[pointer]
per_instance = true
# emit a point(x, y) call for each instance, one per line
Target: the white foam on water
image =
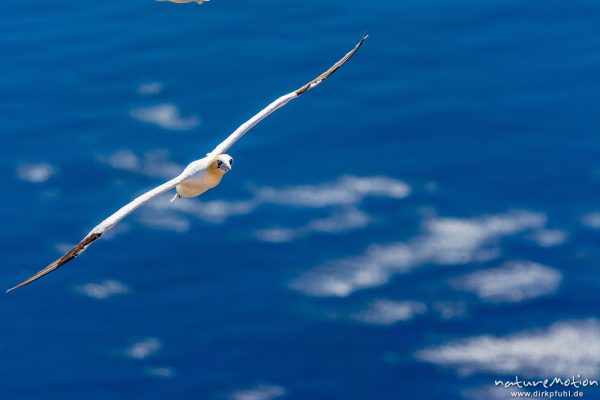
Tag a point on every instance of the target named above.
point(161, 372)
point(338, 222)
point(216, 211)
point(343, 221)
point(513, 282)
point(35, 173)
point(450, 310)
point(143, 348)
point(278, 235)
point(347, 190)
point(549, 237)
point(166, 116)
point(388, 312)
point(155, 163)
point(461, 241)
point(592, 220)
point(103, 290)
point(150, 88)
point(564, 349)
point(259, 392)
point(124, 160)
point(164, 221)
point(444, 241)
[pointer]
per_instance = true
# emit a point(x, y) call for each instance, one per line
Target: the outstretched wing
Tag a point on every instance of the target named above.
point(114, 219)
point(280, 102)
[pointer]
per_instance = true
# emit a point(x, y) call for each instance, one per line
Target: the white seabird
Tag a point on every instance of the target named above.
point(198, 177)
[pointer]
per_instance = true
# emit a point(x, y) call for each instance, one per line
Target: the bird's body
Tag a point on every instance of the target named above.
point(198, 177)
point(205, 179)
point(199, 183)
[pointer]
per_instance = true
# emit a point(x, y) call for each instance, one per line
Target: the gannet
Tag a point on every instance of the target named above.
point(198, 177)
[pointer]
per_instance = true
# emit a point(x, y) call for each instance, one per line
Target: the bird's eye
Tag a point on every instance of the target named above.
point(231, 162)
point(219, 162)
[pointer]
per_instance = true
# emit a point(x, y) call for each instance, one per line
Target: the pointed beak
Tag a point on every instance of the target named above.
point(223, 166)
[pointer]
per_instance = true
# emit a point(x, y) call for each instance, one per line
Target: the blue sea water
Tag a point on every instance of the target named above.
point(421, 224)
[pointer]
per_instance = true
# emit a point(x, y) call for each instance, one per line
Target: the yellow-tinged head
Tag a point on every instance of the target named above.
point(223, 163)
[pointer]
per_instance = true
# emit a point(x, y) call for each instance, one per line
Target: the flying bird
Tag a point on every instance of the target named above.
point(198, 177)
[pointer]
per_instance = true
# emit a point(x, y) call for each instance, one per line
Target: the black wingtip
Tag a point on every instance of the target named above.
point(71, 254)
point(332, 69)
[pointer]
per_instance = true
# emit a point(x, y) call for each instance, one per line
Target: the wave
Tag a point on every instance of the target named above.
point(388, 312)
point(513, 282)
point(36, 173)
point(563, 349)
point(166, 116)
point(143, 348)
point(341, 221)
point(347, 190)
point(150, 88)
point(592, 220)
point(103, 290)
point(549, 237)
point(445, 241)
point(155, 163)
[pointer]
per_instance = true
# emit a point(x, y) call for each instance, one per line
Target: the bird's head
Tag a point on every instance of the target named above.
point(223, 163)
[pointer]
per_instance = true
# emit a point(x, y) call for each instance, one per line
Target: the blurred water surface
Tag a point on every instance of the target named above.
point(421, 224)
